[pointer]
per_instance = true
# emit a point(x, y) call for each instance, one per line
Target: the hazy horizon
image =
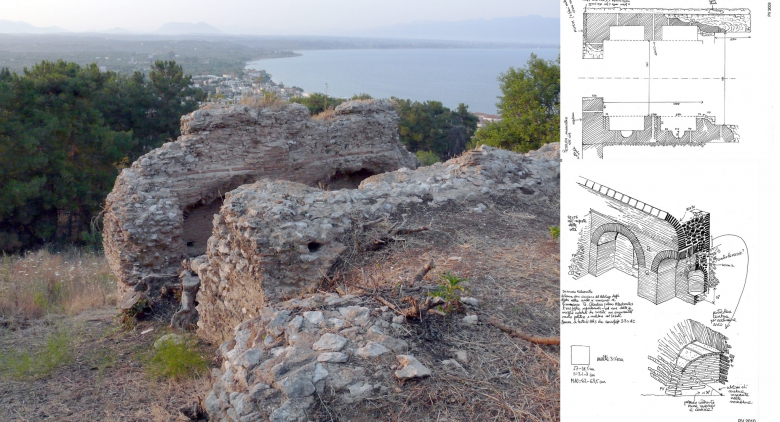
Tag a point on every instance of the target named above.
point(302, 17)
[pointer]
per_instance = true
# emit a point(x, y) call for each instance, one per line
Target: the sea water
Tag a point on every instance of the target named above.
point(451, 76)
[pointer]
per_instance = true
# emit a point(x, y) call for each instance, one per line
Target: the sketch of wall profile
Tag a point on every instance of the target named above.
point(691, 357)
point(596, 132)
point(669, 258)
point(627, 24)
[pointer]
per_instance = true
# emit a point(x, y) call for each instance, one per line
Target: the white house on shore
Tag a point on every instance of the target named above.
point(485, 118)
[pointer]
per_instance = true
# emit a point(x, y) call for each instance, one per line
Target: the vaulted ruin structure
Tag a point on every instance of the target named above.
point(669, 258)
point(275, 239)
point(162, 208)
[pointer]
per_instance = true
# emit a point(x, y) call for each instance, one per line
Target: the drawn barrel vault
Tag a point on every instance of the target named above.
point(690, 357)
point(668, 258)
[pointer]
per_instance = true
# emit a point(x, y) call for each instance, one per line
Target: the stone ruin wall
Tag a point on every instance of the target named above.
point(161, 208)
point(277, 239)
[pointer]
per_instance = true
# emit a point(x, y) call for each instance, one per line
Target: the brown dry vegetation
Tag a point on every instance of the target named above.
point(264, 101)
point(513, 269)
point(44, 282)
point(325, 115)
point(97, 371)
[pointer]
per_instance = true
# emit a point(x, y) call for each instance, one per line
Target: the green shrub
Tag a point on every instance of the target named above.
point(176, 359)
point(427, 158)
point(55, 353)
point(448, 291)
point(555, 232)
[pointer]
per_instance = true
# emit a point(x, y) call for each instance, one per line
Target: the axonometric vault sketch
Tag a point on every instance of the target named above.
point(626, 24)
point(670, 258)
point(691, 357)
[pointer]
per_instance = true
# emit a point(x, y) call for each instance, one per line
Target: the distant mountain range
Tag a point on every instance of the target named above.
point(519, 29)
point(170, 28)
point(181, 28)
point(18, 27)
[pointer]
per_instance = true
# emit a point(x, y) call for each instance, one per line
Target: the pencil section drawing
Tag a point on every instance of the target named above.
point(627, 24)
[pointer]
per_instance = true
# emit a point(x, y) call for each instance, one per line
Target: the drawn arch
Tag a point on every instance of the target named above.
point(667, 254)
point(625, 231)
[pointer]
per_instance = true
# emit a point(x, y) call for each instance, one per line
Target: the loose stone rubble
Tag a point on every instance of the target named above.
point(277, 362)
point(277, 239)
point(161, 208)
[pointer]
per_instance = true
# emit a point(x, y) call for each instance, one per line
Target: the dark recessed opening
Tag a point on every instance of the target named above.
point(314, 246)
point(349, 180)
point(198, 225)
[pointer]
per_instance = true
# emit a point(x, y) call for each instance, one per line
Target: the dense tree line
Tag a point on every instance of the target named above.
point(65, 133)
point(529, 108)
point(429, 129)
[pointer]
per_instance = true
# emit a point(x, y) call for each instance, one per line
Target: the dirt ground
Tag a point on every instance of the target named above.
point(512, 266)
point(105, 381)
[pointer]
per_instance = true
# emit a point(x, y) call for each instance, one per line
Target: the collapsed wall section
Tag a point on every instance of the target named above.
point(161, 209)
point(277, 239)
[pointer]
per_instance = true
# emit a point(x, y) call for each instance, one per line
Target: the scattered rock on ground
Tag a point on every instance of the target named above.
point(411, 368)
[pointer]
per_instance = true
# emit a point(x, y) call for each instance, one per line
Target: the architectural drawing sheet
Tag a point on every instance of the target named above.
point(667, 250)
point(640, 78)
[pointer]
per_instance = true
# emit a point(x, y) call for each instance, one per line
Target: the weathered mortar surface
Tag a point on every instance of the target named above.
point(277, 239)
point(220, 149)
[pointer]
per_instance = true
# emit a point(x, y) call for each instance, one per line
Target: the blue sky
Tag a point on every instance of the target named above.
point(316, 17)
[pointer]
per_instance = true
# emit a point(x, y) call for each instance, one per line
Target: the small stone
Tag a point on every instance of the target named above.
point(296, 386)
point(256, 390)
point(313, 317)
point(411, 368)
point(249, 359)
point(399, 319)
point(470, 319)
point(469, 301)
point(295, 324)
point(358, 315)
point(455, 258)
point(320, 373)
point(337, 323)
point(359, 389)
point(330, 342)
point(371, 350)
point(451, 362)
point(169, 338)
point(462, 356)
point(335, 357)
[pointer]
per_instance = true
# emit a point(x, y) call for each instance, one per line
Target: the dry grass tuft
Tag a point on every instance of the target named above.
point(325, 115)
point(43, 282)
point(264, 101)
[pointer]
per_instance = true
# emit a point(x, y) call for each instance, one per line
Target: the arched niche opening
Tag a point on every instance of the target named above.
point(348, 180)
